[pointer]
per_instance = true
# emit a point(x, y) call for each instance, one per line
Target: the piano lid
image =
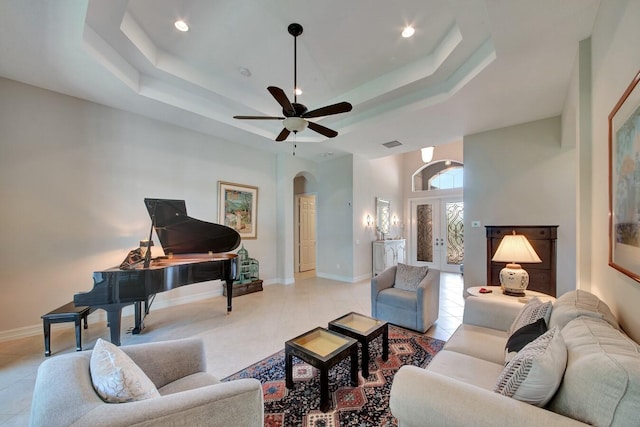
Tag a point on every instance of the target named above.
point(181, 234)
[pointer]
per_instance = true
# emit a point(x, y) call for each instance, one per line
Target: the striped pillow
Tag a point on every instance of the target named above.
point(535, 373)
point(533, 310)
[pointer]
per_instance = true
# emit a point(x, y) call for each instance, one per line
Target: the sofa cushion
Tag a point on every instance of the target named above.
point(601, 385)
point(578, 303)
point(533, 310)
point(116, 378)
point(534, 374)
point(398, 298)
point(408, 277)
point(484, 343)
point(522, 337)
point(465, 368)
point(190, 382)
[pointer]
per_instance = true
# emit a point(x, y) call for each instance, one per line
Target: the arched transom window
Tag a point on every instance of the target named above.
point(439, 175)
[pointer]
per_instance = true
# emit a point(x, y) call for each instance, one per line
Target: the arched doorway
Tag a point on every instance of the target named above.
point(304, 189)
point(436, 219)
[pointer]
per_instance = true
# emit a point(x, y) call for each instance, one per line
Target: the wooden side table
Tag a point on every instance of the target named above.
point(321, 349)
point(364, 329)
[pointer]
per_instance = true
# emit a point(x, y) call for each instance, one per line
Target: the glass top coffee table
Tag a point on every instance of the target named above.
point(321, 349)
point(364, 329)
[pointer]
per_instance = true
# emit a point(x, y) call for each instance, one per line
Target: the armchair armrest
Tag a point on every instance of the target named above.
point(384, 280)
point(429, 299)
point(167, 361)
point(420, 397)
point(236, 403)
point(488, 313)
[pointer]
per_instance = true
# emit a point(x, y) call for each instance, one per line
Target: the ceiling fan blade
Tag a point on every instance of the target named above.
point(340, 107)
point(283, 135)
point(282, 99)
point(258, 118)
point(329, 133)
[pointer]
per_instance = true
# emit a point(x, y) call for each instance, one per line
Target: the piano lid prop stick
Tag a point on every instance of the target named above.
point(147, 255)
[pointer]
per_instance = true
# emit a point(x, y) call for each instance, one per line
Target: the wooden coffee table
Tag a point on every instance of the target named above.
point(321, 349)
point(364, 329)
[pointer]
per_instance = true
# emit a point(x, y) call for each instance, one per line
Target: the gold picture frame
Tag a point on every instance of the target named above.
point(238, 208)
point(624, 182)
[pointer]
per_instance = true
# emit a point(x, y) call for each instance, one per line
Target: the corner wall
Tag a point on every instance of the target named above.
point(615, 61)
point(520, 175)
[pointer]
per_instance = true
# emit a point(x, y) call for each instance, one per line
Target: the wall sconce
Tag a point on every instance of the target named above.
point(369, 220)
point(394, 220)
point(427, 154)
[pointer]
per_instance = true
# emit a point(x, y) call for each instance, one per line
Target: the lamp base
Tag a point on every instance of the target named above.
point(514, 280)
point(513, 294)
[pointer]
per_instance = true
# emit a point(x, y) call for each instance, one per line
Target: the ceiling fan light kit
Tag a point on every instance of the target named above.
point(295, 124)
point(294, 115)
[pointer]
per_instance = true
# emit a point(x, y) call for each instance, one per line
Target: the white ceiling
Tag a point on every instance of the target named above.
point(473, 65)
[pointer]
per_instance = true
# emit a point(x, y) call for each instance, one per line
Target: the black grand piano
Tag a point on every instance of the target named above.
point(195, 251)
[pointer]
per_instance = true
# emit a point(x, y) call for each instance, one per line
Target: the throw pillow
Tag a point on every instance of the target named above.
point(116, 378)
point(535, 373)
point(408, 277)
point(522, 337)
point(533, 310)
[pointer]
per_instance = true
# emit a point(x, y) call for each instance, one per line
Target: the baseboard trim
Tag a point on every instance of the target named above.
point(335, 277)
point(101, 315)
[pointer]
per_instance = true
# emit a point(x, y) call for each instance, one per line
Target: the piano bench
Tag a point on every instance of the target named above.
point(66, 313)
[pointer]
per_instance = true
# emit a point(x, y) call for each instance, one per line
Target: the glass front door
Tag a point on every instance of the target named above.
point(437, 233)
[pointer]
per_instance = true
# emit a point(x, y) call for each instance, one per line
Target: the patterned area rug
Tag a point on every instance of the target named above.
point(365, 405)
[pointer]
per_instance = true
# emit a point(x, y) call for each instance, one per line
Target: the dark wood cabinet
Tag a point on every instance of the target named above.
point(542, 276)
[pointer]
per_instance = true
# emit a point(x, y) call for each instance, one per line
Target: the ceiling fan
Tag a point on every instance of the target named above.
point(295, 115)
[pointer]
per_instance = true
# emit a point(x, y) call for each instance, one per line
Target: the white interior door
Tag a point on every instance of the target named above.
point(436, 232)
point(307, 233)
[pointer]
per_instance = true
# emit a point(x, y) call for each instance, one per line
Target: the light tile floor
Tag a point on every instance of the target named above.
point(258, 326)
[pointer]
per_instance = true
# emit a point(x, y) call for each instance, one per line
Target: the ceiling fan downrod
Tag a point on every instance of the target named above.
point(295, 30)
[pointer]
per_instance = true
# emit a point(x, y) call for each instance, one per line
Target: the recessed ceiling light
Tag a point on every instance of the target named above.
point(244, 71)
point(408, 31)
point(181, 25)
point(297, 91)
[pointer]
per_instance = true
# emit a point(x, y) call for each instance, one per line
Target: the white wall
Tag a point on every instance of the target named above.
point(374, 178)
point(615, 61)
point(520, 175)
point(334, 219)
point(73, 176)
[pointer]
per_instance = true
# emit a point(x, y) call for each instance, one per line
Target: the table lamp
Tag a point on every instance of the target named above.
point(515, 248)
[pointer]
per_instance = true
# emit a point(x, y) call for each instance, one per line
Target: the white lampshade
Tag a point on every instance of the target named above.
point(513, 249)
point(295, 124)
point(427, 154)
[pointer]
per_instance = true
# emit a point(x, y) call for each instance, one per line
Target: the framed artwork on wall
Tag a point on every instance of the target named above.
point(624, 182)
point(238, 208)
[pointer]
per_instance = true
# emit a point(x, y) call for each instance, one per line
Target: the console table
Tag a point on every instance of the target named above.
point(387, 253)
point(542, 276)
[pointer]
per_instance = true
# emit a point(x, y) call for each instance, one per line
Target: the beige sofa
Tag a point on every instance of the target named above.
point(189, 396)
point(600, 385)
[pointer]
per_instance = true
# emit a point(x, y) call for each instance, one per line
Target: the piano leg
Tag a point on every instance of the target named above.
point(139, 321)
point(229, 296)
point(113, 318)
